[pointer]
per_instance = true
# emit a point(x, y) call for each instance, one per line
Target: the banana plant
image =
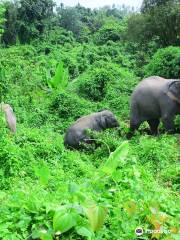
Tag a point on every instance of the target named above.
point(60, 79)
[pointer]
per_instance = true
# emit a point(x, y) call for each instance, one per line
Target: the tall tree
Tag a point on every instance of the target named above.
point(159, 20)
point(69, 18)
point(2, 19)
point(147, 5)
point(10, 26)
point(32, 15)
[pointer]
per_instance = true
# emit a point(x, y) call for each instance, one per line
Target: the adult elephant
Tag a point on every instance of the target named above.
point(153, 99)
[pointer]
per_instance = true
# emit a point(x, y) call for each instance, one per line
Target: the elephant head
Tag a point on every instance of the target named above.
point(108, 120)
point(174, 88)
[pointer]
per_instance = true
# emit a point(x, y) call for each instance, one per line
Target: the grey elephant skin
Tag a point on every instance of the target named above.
point(10, 116)
point(77, 133)
point(153, 99)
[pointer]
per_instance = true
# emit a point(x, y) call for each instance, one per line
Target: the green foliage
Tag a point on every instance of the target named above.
point(148, 5)
point(118, 96)
point(96, 216)
point(49, 192)
point(60, 79)
point(54, 37)
point(96, 83)
point(83, 208)
point(19, 154)
point(10, 25)
point(70, 20)
point(3, 84)
point(43, 173)
point(165, 63)
point(2, 19)
point(156, 152)
point(115, 158)
point(26, 20)
point(110, 31)
point(158, 21)
point(63, 221)
point(69, 107)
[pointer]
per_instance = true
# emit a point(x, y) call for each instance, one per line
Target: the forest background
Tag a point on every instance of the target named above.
point(58, 63)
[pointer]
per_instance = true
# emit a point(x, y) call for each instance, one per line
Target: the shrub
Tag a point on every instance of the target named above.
point(118, 95)
point(95, 83)
point(156, 153)
point(165, 63)
point(111, 30)
point(3, 84)
point(19, 153)
point(58, 36)
point(69, 107)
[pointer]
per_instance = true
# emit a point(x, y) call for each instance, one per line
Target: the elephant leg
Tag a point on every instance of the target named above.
point(89, 144)
point(168, 122)
point(153, 124)
point(134, 125)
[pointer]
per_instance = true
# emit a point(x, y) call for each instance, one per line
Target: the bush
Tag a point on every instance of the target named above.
point(52, 38)
point(118, 95)
point(3, 84)
point(19, 153)
point(69, 107)
point(157, 154)
point(111, 30)
point(165, 63)
point(95, 83)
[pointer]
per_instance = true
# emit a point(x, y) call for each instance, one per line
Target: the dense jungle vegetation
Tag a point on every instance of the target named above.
point(58, 63)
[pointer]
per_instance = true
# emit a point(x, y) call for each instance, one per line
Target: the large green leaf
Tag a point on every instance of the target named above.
point(63, 221)
point(43, 173)
point(57, 79)
point(42, 234)
point(96, 215)
point(117, 157)
point(85, 232)
point(60, 79)
point(46, 236)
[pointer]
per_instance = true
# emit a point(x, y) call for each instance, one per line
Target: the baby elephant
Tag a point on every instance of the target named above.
point(153, 99)
point(77, 133)
point(10, 116)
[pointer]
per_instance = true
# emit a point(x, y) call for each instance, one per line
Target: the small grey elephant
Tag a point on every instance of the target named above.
point(153, 99)
point(77, 133)
point(10, 116)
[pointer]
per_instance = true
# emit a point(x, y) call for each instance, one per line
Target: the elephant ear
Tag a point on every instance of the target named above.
point(103, 121)
point(174, 87)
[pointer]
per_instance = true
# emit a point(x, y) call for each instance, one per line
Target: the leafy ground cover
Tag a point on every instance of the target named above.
point(51, 79)
point(47, 190)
